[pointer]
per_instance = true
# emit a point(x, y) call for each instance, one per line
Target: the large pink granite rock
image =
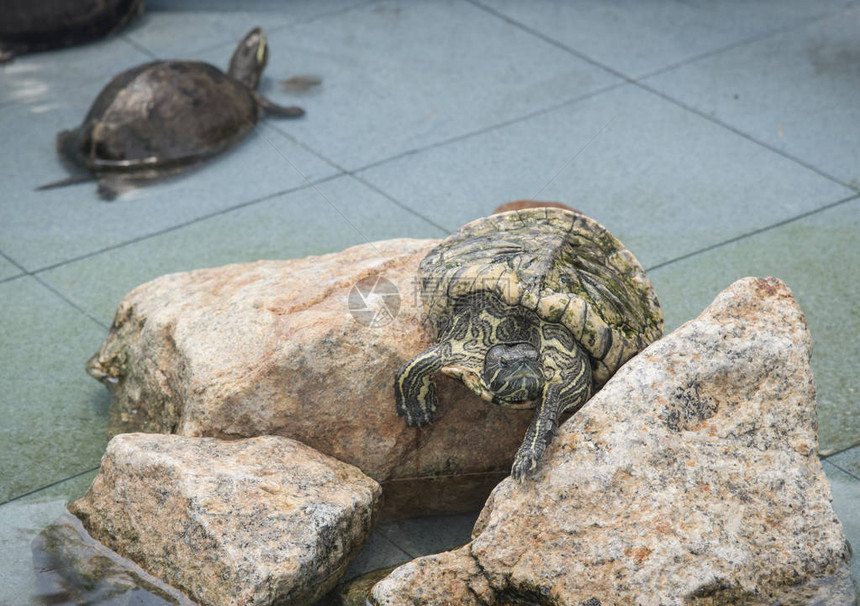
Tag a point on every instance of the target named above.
point(691, 478)
point(290, 348)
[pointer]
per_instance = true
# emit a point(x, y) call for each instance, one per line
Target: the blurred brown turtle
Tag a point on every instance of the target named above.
point(36, 25)
point(164, 117)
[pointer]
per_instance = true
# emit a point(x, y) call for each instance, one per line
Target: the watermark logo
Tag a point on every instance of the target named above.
point(374, 301)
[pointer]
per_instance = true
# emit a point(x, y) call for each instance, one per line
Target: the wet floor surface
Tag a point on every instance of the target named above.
point(716, 141)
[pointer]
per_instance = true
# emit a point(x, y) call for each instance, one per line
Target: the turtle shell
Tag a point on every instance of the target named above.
point(33, 25)
point(562, 265)
point(162, 113)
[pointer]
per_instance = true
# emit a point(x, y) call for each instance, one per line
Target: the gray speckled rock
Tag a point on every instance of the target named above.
point(257, 521)
point(691, 478)
point(271, 348)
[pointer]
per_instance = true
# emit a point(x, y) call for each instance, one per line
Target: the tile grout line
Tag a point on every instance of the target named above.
point(137, 45)
point(352, 173)
point(550, 40)
point(63, 297)
point(274, 126)
point(475, 133)
point(633, 79)
point(334, 13)
point(845, 471)
point(746, 41)
point(386, 535)
point(74, 305)
point(20, 268)
point(748, 137)
point(178, 226)
point(35, 274)
point(400, 204)
point(372, 186)
point(638, 81)
point(497, 126)
point(408, 552)
point(841, 450)
point(756, 232)
point(47, 486)
point(18, 276)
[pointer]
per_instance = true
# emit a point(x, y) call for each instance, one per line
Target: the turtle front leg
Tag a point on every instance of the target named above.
point(569, 389)
point(414, 392)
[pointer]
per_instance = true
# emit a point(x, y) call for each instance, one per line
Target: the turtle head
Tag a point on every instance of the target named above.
point(512, 371)
point(250, 58)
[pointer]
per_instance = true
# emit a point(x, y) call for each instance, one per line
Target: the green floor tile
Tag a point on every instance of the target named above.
point(846, 502)
point(848, 461)
point(162, 29)
point(432, 534)
point(377, 553)
point(20, 522)
point(53, 412)
point(664, 180)
point(35, 77)
point(817, 258)
point(402, 75)
point(657, 34)
point(315, 220)
point(795, 91)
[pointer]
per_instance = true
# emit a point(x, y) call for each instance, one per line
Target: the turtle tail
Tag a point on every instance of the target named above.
point(71, 180)
point(68, 143)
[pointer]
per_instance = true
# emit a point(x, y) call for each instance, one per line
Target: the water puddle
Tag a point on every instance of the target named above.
point(72, 568)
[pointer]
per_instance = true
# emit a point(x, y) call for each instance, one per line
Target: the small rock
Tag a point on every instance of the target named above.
point(296, 348)
point(248, 522)
point(453, 577)
point(356, 591)
point(691, 478)
point(524, 204)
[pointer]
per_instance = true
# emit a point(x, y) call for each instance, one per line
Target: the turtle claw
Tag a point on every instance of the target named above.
point(414, 391)
point(417, 414)
point(419, 420)
point(524, 463)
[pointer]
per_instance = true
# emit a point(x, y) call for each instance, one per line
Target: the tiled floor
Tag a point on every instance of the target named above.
point(717, 140)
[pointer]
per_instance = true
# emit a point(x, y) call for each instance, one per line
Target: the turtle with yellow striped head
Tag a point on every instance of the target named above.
point(533, 308)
